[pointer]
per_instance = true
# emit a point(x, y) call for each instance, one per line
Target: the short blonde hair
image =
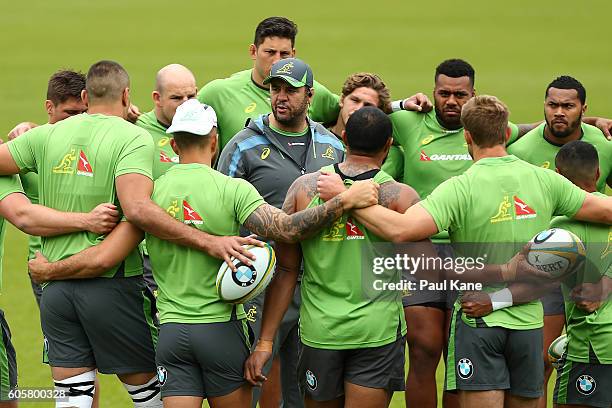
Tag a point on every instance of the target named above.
point(486, 118)
point(372, 81)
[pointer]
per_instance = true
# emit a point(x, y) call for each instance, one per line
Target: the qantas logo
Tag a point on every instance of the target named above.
point(164, 158)
point(190, 215)
point(522, 210)
point(352, 230)
point(444, 157)
point(84, 167)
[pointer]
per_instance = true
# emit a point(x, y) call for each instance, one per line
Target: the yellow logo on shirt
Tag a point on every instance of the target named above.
point(250, 108)
point(546, 165)
point(173, 209)
point(502, 213)
point(265, 153)
point(65, 166)
point(427, 140)
point(334, 232)
point(329, 153)
point(163, 141)
point(608, 249)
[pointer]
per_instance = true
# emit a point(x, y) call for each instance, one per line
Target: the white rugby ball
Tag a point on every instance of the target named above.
point(556, 351)
point(248, 281)
point(556, 251)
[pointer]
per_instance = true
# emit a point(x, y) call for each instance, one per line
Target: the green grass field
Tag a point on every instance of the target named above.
point(516, 47)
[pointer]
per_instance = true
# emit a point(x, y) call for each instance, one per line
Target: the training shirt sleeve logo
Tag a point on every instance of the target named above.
point(65, 165)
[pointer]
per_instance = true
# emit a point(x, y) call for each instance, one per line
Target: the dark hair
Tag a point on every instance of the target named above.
point(275, 27)
point(567, 82)
point(455, 68)
point(368, 130)
point(106, 80)
point(65, 84)
point(577, 161)
point(186, 140)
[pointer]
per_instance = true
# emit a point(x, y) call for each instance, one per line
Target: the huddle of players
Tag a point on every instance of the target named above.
point(367, 350)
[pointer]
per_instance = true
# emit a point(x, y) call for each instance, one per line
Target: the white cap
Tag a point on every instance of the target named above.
point(193, 117)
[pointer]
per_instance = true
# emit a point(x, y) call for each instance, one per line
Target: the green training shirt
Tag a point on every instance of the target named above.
point(535, 149)
point(8, 185)
point(238, 98)
point(339, 310)
point(519, 202)
point(77, 160)
point(186, 277)
point(589, 331)
point(163, 156)
point(29, 181)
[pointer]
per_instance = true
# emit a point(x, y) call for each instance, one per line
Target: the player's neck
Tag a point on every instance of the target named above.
point(560, 141)
point(338, 127)
point(486, 152)
point(159, 117)
point(300, 124)
point(115, 109)
point(258, 79)
point(356, 164)
point(196, 156)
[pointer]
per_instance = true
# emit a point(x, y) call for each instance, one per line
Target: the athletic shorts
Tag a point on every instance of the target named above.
point(322, 372)
point(8, 361)
point(553, 302)
point(494, 358)
point(107, 323)
point(584, 384)
point(36, 290)
point(202, 360)
point(147, 274)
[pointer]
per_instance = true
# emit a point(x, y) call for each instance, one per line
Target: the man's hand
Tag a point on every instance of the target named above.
point(102, 219)
point(605, 125)
point(329, 185)
point(133, 113)
point(253, 367)
point(418, 102)
point(588, 296)
point(519, 269)
point(39, 268)
point(476, 304)
point(20, 129)
point(227, 248)
point(361, 194)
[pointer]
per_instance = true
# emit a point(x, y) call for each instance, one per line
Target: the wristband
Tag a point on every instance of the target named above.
point(264, 345)
point(397, 106)
point(501, 299)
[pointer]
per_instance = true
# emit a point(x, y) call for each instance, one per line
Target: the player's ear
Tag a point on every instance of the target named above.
point(156, 97)
point(508, 134)
point(85, 97)
point(343, 137)
point(468, 136)
point(125, 97)
point(49, 107)
point(293, 53)
point(558, 171)
point(597, 174)
point(584, 108)
point(253, 51)
point(175, 148)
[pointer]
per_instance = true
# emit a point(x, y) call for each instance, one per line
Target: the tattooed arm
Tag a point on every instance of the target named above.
point(270, 222)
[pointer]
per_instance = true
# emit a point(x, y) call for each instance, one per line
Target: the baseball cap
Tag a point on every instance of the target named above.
point(193, 117)
point(295, 71)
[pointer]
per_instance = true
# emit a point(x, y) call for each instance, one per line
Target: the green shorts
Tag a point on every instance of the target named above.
point(202, 359)
point(8, 361)
point(494, 358)
point(584, 384)
point(107, 323)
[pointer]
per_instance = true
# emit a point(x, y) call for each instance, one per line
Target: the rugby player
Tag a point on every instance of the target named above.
point(271, 153)
point(512, 368)
point(189, 305)
point(81, 161)
point(564, 108)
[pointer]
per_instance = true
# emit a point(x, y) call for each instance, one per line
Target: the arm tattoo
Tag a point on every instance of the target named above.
point(273, 223)
point(388, 194)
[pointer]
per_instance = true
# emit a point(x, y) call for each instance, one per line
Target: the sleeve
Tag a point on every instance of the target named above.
point(567, 198)
point(231, 162)
point(394, 163)
point(246, 200)
point(514, 133)
point(9, 185)
point(26, 148)
point(445, 204)
point(137, 156)
point(325, 106)
point(208, 94)
point(403, 126)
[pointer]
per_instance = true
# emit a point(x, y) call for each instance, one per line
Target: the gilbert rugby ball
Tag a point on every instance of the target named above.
point(556, 351)
point(248, 281)
point(556, 251)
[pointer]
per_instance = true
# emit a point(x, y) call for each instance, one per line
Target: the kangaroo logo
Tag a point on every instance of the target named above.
point(65, 165)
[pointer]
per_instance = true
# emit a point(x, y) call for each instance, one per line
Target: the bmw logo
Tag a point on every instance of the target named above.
point(311, 380)
point(465, 369)
point(585, 384)
point(543, 236)
point(162, 375)
point(245, 275)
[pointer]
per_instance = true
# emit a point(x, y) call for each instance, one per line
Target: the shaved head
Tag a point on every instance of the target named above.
point(106, 82)
point(174, 84)
point(174, 75)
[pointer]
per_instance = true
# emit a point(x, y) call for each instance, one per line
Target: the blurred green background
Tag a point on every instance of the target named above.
point(516, 47)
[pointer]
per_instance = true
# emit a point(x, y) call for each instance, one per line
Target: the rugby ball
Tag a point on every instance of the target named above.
point(556, 251)
point(557, 350)
point(248, 281)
